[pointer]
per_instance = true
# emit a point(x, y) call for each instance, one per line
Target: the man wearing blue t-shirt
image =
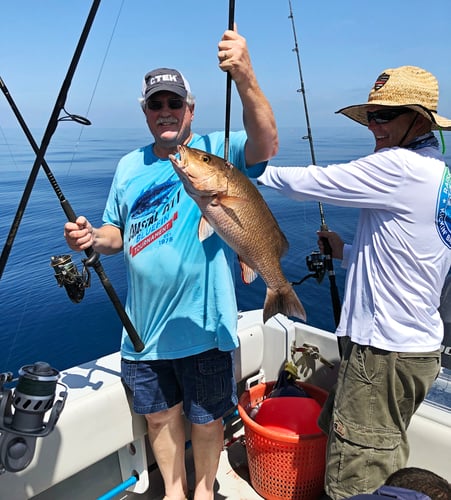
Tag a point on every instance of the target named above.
point(181, 297)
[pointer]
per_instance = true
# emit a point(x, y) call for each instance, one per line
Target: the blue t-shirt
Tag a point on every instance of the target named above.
point(181, 295)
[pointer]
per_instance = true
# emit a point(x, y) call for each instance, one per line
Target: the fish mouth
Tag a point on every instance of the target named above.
point(178, 163)
point(183, 156)
point(181, 163)
point(181, 167)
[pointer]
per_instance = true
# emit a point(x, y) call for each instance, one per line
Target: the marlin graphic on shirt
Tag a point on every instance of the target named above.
point(151, 198)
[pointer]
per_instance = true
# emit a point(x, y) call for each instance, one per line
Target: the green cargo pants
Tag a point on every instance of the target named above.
point(368, 412)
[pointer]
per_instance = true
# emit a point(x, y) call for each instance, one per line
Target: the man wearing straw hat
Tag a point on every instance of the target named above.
point(390, 328)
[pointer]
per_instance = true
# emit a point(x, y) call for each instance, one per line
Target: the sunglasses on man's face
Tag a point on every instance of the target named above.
point(382, 116)
point(172, 103)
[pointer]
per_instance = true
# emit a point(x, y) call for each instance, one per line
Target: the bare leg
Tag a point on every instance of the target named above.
point(167, 437)
point(208, 441)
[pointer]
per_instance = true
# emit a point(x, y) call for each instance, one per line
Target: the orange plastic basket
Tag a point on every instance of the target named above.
point(283, 466)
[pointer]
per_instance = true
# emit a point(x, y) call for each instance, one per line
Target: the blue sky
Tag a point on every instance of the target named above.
point(344, 45)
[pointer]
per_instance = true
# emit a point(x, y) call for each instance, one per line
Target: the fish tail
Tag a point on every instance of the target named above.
point(283, 300)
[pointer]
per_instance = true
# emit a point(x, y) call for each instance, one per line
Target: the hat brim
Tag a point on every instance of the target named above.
point(358, 114)
point(167, 88)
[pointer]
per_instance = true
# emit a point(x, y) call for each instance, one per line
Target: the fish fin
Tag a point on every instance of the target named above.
point(205, 230)
point(248, 275)
point(285, 301)
point(232, 202)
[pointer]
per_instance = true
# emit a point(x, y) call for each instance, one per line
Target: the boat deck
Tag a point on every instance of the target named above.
point(232, 480)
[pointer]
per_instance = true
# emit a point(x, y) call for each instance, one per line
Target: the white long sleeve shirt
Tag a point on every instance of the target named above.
point(401, 251)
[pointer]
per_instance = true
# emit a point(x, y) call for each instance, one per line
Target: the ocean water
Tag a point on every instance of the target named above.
point(38, 322)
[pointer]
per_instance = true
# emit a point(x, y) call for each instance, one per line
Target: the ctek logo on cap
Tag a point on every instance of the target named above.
point(162, 78)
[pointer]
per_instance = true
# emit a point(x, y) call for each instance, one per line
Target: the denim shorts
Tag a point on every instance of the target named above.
point(204, 382)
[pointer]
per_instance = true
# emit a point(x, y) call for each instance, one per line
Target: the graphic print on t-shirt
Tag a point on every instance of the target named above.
point(152, 216)
point(443, 211)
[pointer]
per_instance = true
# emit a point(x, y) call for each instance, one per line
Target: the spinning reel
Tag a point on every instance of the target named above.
point(316, 264)
point(33, 396)
point(67, 275)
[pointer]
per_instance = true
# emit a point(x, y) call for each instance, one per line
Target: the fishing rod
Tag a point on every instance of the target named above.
point(67, 270)
point(313, 262)
point(228, 87)
point(51, 127)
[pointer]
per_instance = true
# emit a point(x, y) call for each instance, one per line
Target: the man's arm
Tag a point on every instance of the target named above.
point(258, 117)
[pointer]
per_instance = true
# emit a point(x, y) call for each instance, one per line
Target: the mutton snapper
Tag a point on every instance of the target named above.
point(233, 207)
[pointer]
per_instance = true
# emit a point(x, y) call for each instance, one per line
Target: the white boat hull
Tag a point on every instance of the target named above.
point(98, 442)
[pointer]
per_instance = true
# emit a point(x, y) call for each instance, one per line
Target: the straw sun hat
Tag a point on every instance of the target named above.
point(407, 86)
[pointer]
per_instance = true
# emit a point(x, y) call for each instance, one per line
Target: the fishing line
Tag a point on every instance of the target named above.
point(327, 249)
point(102, 65)
point(8, 145)
point(21, 309)
point(19, 314)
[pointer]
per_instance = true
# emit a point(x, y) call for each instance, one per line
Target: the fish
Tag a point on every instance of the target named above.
point(232, 206)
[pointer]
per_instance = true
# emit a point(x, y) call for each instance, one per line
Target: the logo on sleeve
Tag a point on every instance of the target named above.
point(443, 212)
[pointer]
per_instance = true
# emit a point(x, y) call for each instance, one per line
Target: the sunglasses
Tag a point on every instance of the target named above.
point(173, 103)
point(386, 115)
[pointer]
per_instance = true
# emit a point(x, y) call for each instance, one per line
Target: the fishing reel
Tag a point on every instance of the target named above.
point(33, 396)
point(316, 264)
point(67, 275)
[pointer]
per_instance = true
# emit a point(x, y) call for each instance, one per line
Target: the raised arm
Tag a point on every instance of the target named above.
point(258, 117)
